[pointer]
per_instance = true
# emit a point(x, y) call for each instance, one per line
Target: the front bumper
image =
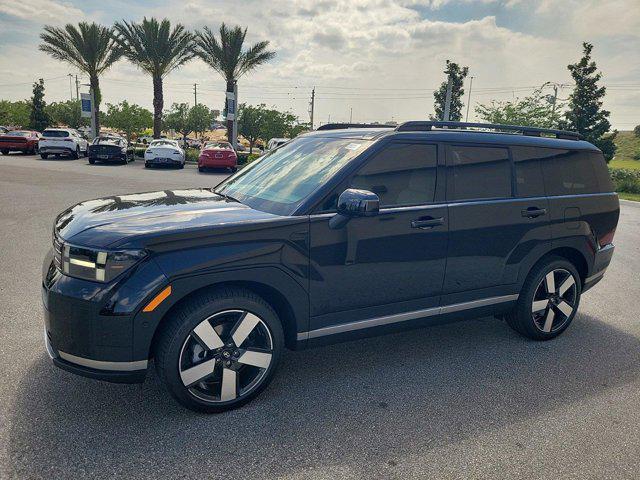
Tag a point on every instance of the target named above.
point(107, 157)
point(81, 334)
point(600, 264)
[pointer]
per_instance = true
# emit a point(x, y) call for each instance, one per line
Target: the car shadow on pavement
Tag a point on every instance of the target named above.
point(369, 402)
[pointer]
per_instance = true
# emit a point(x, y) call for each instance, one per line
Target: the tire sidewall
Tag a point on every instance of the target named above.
point(170, 367)
point(529, 290)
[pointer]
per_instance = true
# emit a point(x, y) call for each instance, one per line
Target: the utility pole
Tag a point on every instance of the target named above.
point(351, 115)
point(195, 94)
point(70, 87)
point(77, 88)
point(447, 101)
point(234, 135)
point(466, 119)
point(313, 102)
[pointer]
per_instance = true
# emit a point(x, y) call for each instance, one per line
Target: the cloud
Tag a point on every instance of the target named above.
point(43, 11)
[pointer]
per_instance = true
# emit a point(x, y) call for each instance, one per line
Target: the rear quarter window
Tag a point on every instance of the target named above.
point(602, 172)
point(568, 172)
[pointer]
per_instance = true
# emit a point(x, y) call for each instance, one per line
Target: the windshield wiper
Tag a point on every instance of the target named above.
point(229, 198)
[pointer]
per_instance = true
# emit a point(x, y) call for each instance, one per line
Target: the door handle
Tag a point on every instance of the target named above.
point(427, 222)
point(533, 212)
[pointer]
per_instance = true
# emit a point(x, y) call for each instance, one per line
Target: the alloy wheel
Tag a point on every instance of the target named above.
point(226, 356)
point(554, 300)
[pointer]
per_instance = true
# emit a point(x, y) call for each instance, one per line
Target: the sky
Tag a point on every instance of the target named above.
point(369, 60)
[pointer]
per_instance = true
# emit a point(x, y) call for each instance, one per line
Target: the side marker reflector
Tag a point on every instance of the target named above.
point(157, 300)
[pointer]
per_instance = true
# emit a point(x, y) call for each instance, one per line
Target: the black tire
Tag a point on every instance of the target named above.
point(76, 154)
point(234, 169)
point(92, 161)
point(181, 166)
point(44, 156)
point(552, 313)
point(177, 344)
point(201, 169)
point(5, 152)
point(146, 165)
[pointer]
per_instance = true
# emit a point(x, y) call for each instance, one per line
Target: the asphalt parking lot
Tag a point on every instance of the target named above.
point(468, 400)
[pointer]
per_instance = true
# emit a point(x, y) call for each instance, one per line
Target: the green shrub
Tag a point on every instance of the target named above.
point(625, 180)
point(192, 154)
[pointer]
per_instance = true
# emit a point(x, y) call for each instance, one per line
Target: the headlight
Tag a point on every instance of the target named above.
point(96, 265)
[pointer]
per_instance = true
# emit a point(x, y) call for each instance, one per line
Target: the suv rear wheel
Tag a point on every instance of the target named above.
point(76, 155)
point(548, 301)
point(219, 350)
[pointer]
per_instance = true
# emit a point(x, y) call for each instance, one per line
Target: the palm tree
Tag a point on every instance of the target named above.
point(89, 47)
point(227, 58)
point(157, 49)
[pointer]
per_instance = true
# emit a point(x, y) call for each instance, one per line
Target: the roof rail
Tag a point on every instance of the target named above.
point(424, 126)
point(339, 126)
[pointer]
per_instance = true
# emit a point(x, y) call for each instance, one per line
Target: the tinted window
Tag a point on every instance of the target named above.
point(55, 133)
point(602, 172)
point(478, 172)
point(528, 167)
point(567, 172)
point(401, 174)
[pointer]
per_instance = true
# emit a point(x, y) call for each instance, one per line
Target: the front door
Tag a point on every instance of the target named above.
point(386, 264)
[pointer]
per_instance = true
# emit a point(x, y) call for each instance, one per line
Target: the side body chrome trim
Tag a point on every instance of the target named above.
point(100, 365)
point(402, 317)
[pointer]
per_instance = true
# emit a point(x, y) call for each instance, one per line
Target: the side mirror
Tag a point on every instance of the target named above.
point(355, 203)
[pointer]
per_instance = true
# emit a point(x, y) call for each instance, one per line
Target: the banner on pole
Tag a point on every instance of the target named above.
point(231, 105)
point(85, 102)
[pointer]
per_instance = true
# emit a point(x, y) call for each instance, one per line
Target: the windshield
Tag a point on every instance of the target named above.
point(281, 180)
point(55, 133)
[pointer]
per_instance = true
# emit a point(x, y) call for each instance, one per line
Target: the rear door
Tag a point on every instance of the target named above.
point(390, 263)
point(498, 216)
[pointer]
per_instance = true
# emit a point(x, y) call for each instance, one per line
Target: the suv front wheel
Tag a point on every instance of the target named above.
point(219, 350)
point(548, 301)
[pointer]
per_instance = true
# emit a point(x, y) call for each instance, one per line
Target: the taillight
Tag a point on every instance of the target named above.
point(67, 139)
point(607, 238)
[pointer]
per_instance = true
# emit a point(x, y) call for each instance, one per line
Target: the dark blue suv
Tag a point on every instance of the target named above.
point(344, 232)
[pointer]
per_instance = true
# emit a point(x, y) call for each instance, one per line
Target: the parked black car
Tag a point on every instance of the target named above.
point(110, 148)
point(341, 233)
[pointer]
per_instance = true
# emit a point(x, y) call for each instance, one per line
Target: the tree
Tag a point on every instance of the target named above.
point(276, 124)
point(636, 131)
point(200, 118)
point(128, 118)
point(534, 111)
point(250, 123)
point(458, 75)
point(89, 47)
point(15, 114)
point(178, 119)
point(585, 114)
point(225, 56)
point(66, 113)
point(38, 119)
point(156, 49)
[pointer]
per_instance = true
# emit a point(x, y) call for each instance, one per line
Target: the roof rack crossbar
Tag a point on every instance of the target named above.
point(423, 126)
point(339, 126)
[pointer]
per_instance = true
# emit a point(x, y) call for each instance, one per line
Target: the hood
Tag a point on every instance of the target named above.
point(110, 221)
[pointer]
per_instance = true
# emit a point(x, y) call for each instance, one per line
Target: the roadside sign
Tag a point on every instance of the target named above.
point(85, 102)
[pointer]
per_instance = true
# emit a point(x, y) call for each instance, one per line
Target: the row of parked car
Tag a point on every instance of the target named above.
point(68, 142)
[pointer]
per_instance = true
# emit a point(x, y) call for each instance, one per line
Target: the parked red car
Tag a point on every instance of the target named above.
point(25, 141)
point(217, 155)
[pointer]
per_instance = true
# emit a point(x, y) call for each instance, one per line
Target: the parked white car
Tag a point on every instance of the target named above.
point(164, 152)
point(62, 141)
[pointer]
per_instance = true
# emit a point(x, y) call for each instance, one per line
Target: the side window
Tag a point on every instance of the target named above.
point(478, 173)
point(401, 174)
point(568, 172)
point(602, 172)
point(529, 182)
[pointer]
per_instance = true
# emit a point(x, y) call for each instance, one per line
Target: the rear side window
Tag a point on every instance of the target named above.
point(478, 173)
point(601, 171)
point(55, 134)
point(401, 174)
point(528, 168)
point(568, 172)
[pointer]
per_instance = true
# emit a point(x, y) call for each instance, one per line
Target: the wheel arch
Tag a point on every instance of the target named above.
point(570, 253)
point(289, 302)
